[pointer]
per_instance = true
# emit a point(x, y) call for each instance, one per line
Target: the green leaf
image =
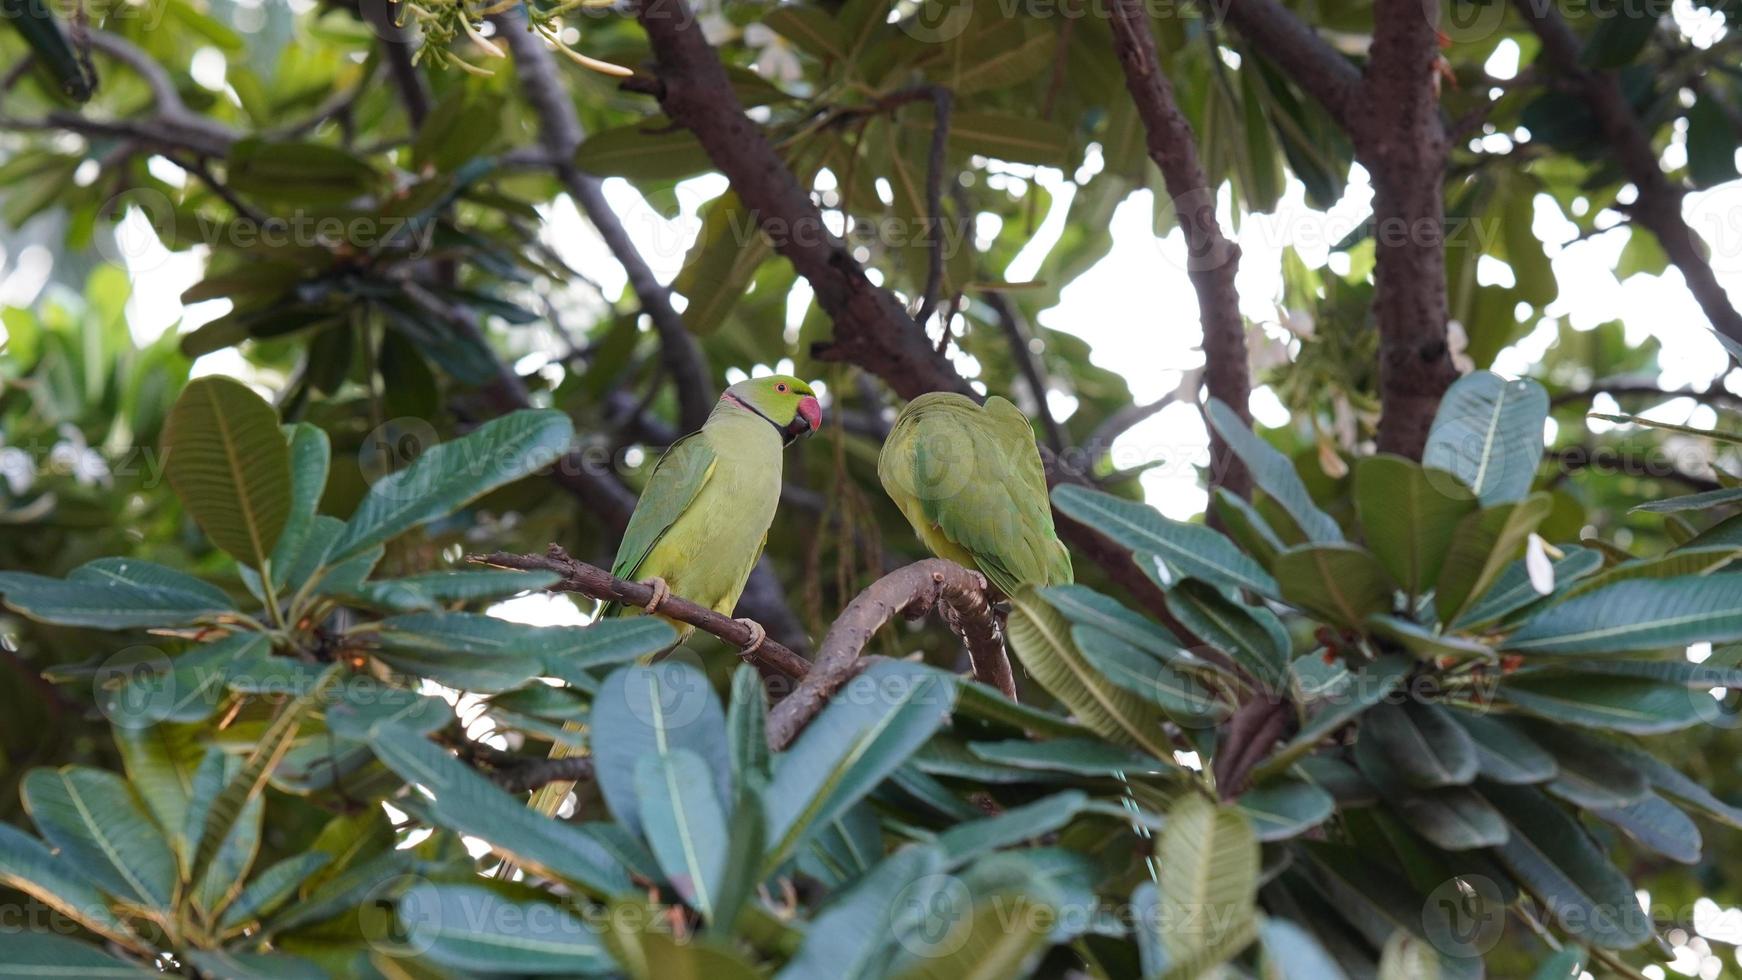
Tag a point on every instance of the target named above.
point(1568, 964)
point(1252, 635)
point(1637, 614)
point(1246, 526)
point(966, 841)
point(1718, 435)
point(981, 703)
point(1454, 818)
point(1041, 640)
point(651, 711)
point(469, 651)
point(226, 808)
point(1711, 141)
point(271, 888)
point(28, 866)
point(310, 458)
point(1552, 856)
point(811, 29)
point(1354, 694)
point(1683, 562)
point(298, 172)
point(41, 955)
point(1422, 743)
point(1284, 808)
point(873, 725)
point(229, 463)
point(1339, 583)
point(1503, 753)
point(160, 761)
point(1017, 139)
point(747, 727)
point(1488, 434)
point(96, 822)
point(722, 263)
point(449, 475)
point(433, 590)
point(1274, 474)
point(255, 966)
point(468, 803)
point(1425, 643)
point(1622, 704)
point(1291, 953)
point(1409, 515)
point(684, 824)
point(1080, 756)
point(1588, 771)
point(1487, 541)
point(1693, 501)
point(114, 594)
point(1672, 782)
point(643, 152)
point(1193, 550)
point(1209, 875)
point(1656, 825)
point(1513, 590)
point(1186, 699)
point(848, 935)
point(1000, 934)
point(223, 877)
point(474, 929)
point(1621, 34)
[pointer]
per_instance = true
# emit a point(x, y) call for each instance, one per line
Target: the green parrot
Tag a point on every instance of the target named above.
point(703, 517)
point(970, 481)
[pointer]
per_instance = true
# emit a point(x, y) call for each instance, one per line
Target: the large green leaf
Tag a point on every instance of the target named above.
point(160, 762)
point(1018, 139)
point(1422, 743)
point(1514, 591)
point(1487, 541)
point(1488, 434)
point(747, 726)
point(449, 475)
point(1209, 875)
point(299, 172)
point(469, 651)
point(1041, 640)
point(1623, 704)
point(873, 725)
point(41, 955)
point(1550, 854)
point(310, 458)
point(643, 152)
point(1504, 754)
point(1187, 700)
point(1081, 756)
point(468, 803)
point(272, 887)
point(1672, 782)
point(1274, 474)
point(1454, 818)
point(1044, 816)
point(1656, 825)
point(1194, 551)
point(1637, 614)
point(30, 867)
point(651, 711)
point(851, 931)
point(1291, 953)
point(684, 823)
point(114, 594)
point(1409, 515)
point(1589, 771)
point(434, 590)
point(1284, 808)
point(1339, 583)
point(228, 868)
point(721, 265)
point(475, 930)
point(103, 832)
point(1252, 635)
point(229, 463)
point(1684, 562)
point(999, 934)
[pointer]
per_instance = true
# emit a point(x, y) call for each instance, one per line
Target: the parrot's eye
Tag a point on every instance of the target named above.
point(781, 387)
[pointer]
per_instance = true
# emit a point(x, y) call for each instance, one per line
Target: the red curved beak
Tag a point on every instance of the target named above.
point(809, 418)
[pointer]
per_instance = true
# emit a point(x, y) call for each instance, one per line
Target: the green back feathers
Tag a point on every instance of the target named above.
point(970, 481)
point(672, 486)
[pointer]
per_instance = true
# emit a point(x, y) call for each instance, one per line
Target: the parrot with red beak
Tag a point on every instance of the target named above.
point(703, 517)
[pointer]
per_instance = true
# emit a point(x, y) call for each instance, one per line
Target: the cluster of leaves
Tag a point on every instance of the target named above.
point(1464, 741)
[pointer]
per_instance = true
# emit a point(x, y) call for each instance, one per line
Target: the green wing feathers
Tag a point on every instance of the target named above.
point(970, 481)
point(677, 479)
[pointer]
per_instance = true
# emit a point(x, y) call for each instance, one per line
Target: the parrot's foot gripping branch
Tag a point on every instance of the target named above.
point(757, 636)
point(661, 592)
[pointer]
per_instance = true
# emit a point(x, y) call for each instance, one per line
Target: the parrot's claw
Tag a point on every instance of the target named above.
point(661, 592)
point(757, 635)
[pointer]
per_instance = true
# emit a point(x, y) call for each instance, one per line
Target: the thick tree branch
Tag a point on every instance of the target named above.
point(590, 580)
point(560, 133)
point(1659, 205)
point(912, 592)
point(1401, 138)
point(871, 327)
point(1308, 59)
point(1211, 259)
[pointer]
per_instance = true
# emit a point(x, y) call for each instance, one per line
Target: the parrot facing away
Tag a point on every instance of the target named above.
point(970, 481)
point(704, 515)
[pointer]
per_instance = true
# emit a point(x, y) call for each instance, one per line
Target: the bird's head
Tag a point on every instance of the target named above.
point(786, 402)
